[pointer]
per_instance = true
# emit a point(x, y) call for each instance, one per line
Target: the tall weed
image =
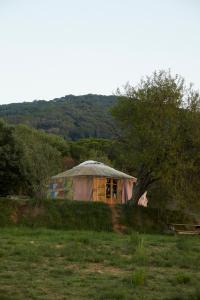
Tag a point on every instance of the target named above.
point(139, 277)
point(135, 242)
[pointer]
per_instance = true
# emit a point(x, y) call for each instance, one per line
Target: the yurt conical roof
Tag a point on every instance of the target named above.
point(93, 168)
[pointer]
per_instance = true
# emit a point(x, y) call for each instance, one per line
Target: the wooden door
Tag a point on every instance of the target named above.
point(99, 184)
point(107, 190)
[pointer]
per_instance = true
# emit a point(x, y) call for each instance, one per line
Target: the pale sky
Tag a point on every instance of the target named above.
point(52, 48)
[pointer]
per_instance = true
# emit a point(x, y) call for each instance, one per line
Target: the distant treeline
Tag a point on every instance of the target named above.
point(72, 117)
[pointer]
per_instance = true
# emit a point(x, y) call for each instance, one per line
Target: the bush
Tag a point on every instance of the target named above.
point(7, 211)
point(56, 214)
point(151, 220)
point(86, 215)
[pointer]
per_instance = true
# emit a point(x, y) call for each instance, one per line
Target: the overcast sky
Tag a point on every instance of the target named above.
point(51, 48)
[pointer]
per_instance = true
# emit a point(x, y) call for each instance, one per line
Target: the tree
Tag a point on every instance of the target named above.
point(41, 160)
point(96, 155)
point(11, 154)
point(28, 158)
point(160, 131)
point(92, 149)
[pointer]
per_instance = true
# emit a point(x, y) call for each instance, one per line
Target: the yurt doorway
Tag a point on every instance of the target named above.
point(113, 190)
point(108, 190)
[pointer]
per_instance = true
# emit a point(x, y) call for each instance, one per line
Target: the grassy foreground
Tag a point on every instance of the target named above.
point(54, 264)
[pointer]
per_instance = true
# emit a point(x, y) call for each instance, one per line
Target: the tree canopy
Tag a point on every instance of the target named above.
point(28, 158)
point(160, 135)
point(10, 158)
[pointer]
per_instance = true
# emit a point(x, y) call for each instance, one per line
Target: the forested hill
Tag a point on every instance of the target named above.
point(72, 117)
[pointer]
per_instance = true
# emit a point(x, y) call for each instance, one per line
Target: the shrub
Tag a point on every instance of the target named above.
point(56, 214)
point(86, 215)
point(7, 211)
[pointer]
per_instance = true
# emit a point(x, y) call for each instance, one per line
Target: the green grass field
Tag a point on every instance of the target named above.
point(54, 264)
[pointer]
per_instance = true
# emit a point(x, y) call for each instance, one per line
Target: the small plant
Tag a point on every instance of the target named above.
point(183, 278)
point(139, 277)
point(137, 249)
point(135, 241)
point(140, 256)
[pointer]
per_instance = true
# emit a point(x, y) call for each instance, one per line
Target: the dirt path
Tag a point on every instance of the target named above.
point(117, 227)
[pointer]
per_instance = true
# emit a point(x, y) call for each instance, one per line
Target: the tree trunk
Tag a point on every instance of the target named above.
point(138, 190)
point(141, 187)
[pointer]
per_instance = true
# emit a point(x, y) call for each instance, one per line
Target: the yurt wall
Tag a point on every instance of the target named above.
point(61, 188)
point(92, 188)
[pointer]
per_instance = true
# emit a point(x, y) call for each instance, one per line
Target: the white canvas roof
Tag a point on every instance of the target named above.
point(93, 168)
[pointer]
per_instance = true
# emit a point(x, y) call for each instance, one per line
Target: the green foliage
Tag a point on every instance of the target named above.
point(97, 156)
point(11, 154)
point(66, 214)
point(139, 277)
point(63, 214)
point(135, 241)
point(85, 215)
point(41, 159)
point(183, 278)
point(7, 207)
point(28, 158)
point(150, 219)
point(72, 117)
point(136, 248)
point(93, 149)
point(160, 125)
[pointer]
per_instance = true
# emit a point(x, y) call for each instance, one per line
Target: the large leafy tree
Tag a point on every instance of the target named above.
point(28, 158)
point(160, 134)
point(41, 159)
point(11, 154)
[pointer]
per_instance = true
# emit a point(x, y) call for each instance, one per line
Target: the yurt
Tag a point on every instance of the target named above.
point(93, 181)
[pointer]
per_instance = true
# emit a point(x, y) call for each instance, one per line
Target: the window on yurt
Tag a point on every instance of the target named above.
point(114, 189)
point(108, 188)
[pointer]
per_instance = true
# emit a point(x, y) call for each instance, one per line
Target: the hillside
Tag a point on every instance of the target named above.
point(72, 117)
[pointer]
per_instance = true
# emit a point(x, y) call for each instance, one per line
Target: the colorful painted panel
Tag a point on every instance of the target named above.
point(61, 188)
